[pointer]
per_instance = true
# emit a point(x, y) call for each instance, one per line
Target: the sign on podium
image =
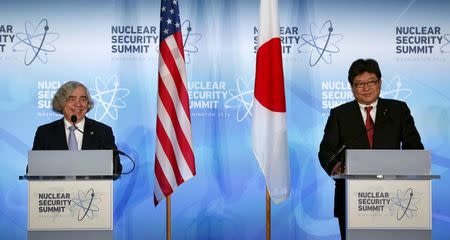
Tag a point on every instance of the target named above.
point(70, 194)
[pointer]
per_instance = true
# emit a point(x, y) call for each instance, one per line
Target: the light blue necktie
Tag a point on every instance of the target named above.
point(73, 144)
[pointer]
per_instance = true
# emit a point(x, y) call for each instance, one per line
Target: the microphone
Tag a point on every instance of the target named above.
point(343, 146)
point(364, 132)
point(74, 119)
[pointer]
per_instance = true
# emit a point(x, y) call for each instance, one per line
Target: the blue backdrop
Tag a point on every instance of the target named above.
point(112, 46)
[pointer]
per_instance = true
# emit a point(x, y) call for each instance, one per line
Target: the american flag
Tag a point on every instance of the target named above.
point(174, 158)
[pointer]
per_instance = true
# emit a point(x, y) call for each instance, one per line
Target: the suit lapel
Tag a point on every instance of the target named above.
point(357, 115)
point(86, 135)
point(379, 121)
point(381, 108)
point(60, 135)
point(363, 140)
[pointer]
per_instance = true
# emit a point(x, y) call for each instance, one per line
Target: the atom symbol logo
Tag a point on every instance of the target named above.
point(396, 91)
point(446, 47)
point(36, 42)
point(110, 98)
point(241, 99)
point(321, 44)
point(403, 203)
point(189, 40)
point(86, 205)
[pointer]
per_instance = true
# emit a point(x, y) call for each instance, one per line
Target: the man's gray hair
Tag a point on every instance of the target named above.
point(63, 93)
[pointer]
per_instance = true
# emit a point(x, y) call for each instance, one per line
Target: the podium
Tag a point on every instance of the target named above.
point(388, 194)
point(70, 194)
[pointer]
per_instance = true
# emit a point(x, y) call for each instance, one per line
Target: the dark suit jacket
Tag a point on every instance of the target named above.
point(394, 129)
point(52, 136)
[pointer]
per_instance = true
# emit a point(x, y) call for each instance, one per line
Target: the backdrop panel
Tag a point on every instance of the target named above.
point(112, 46)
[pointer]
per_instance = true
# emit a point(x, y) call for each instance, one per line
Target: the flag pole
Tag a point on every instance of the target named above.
point(168, 220)
point(267, 214)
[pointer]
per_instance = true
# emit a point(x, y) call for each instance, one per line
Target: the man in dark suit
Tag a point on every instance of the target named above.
point(368, 122)
point(73, 101)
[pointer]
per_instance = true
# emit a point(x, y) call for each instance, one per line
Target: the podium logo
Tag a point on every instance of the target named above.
point(86, 204)
point(53, 202)
point(403, 204)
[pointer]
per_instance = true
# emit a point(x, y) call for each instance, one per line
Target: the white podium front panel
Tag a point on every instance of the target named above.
point(70, 205)
point(389, 204)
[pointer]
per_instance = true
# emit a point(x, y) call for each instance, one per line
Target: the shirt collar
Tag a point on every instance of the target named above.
point(79, 125)
point(374, 105)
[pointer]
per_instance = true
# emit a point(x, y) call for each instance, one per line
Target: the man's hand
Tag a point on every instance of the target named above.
point(338, 169)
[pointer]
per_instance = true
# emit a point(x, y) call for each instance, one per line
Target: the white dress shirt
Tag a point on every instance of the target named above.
point(78, 134)
point(373, 112)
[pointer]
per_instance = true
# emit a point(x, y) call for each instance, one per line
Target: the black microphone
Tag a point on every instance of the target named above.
point(74, 119)
point(344, 146)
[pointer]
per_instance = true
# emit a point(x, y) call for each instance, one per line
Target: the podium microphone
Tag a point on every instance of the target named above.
point(74, 119)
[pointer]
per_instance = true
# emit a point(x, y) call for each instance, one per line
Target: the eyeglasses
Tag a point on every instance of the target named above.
point(363, 84)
